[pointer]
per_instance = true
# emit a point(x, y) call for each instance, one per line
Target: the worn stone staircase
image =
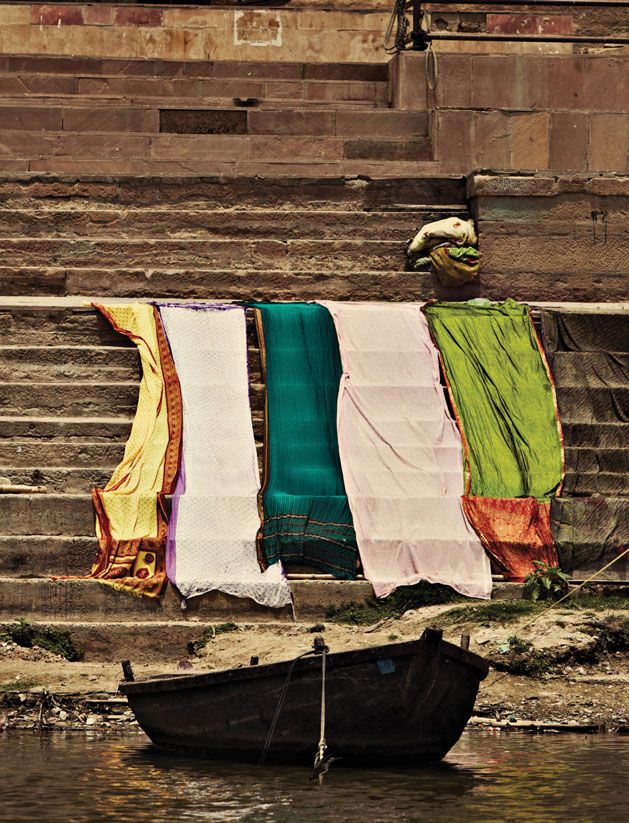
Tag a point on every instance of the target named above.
point(591, 517)
point(112, 116)
point(217, 237)
point(147, 179)
point(68, 382)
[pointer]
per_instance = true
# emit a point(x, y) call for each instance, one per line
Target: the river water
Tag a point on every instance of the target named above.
point(83, 777)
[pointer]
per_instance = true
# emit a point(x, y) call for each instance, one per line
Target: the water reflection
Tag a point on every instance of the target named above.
point(79, 777)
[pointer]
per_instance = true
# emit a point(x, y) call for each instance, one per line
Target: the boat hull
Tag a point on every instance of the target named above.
point(396, 703)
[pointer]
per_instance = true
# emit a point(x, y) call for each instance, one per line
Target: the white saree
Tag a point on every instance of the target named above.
point(213, 526)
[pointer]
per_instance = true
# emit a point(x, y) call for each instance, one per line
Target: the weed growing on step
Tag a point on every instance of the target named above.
point(197, 646)
point(505, 611)
point(518, 656)
point(403, 599)
point(29, 635)
point(546, 582)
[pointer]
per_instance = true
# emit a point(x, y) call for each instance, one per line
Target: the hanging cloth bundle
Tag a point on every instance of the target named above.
point(214, 520)
point(455, 266)
point(131, 521)
point(505, 404)
point(589, 358)
point(401, 453)
point(306, 516)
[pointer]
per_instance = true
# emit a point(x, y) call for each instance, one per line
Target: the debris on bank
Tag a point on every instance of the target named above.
point(42, 711)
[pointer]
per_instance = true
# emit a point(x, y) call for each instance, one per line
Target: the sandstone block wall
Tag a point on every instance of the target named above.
point(520, 112)
point(552, 238)
point(317, 30)
point(352, 31)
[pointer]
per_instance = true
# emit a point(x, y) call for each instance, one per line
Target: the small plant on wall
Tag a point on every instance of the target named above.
point(546, 582)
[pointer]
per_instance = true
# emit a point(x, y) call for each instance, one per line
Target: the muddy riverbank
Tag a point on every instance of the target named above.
point(565, 668)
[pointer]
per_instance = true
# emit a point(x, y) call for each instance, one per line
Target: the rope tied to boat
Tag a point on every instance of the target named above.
point(321, 764)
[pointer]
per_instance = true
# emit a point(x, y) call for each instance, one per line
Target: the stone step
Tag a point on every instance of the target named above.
point(285, 118)
point(56, 433)
point(592, 405)
point(587, 460)
point(77, 430)
point(179, 115)
point(282, 164)
point(40, 64)
point(591, 369)
point(28, 556)
point(216, 148)
point(203, 284)
point(577, 522)
point(77, 601)
point(65, 429)
point(47, 557)
point(602, 331)
point(56, 325)
point(146, 641)
point(69, 399)
point(596, 435)
point(61, 322)
point(200, 88)
point(204, 224)
point(67, 363)
point(87, 600)
point(72, 514)
point(71, 323)
point(78, 467)
point(43, 470)
point(345, 255)
point(24, 453)
point(73, 399)
point(46, 514)
point(188, 191)
point(583, 483)
point(61, 364)
point(61, 480)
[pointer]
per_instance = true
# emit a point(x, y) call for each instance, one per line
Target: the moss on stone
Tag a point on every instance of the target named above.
point(28, 635)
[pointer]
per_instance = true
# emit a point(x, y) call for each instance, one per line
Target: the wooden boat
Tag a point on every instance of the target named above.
point(402, 702)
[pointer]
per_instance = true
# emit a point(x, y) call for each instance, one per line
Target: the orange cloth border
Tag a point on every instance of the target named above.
point(262, 561)
point(514, 531)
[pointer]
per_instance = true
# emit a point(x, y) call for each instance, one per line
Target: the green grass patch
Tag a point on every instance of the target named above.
point(612, 633)
point(29, 635)
point(496, 611)
point(209, 634)
point(22, 684)
point(596, 602)
point(402, 600)
point(517, 656)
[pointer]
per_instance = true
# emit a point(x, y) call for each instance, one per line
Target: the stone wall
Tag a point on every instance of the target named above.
point(521, 112)
point(552, 238)
point(302, 30)
point(550, 20)
point(353, 32)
